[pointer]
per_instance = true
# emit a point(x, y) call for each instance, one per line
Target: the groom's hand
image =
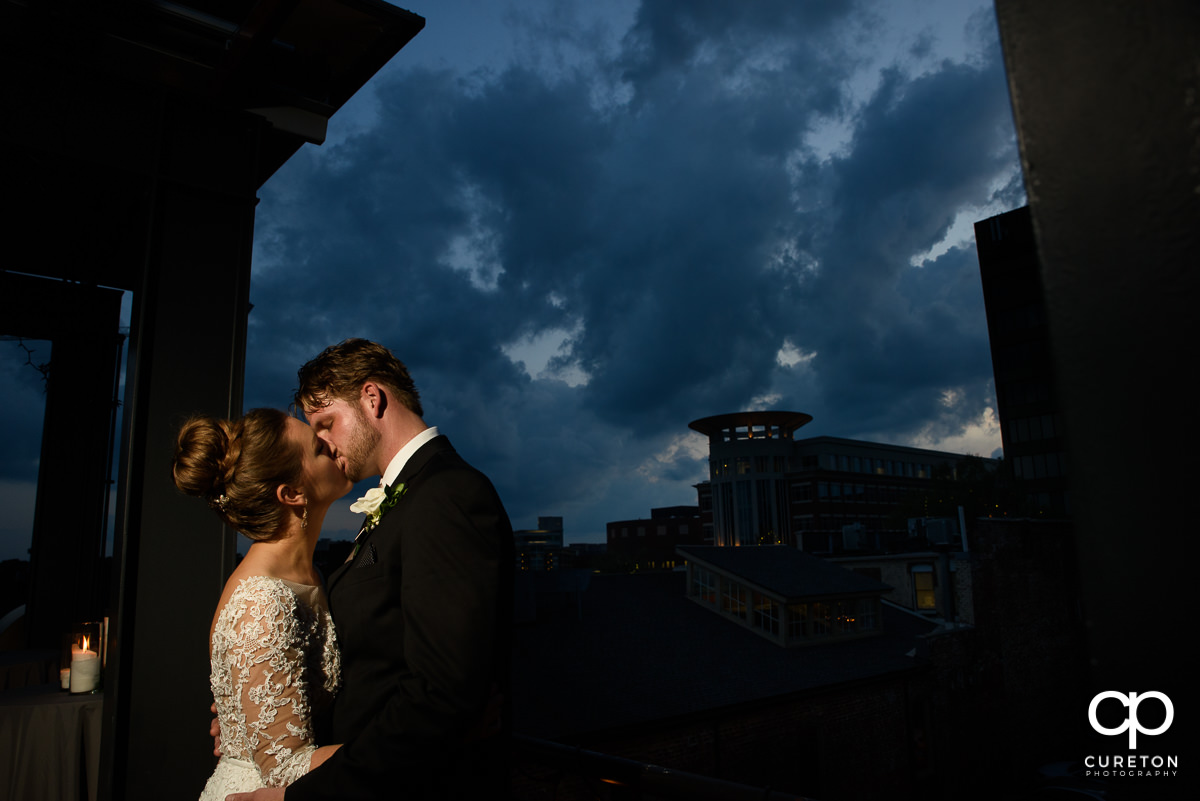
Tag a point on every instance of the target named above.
point(214, 730)
point(265, 794)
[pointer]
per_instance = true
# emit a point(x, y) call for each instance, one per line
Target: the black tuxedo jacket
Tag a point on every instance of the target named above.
point(423, 613)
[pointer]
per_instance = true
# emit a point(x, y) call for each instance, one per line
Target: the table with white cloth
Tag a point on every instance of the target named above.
point(49, 744)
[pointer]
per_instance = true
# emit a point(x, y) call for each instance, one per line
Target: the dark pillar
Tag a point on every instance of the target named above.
point(187, 349)
point(1106, 96)
point(69, 515)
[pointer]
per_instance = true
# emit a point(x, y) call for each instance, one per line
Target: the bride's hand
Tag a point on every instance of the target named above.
point(265, 794)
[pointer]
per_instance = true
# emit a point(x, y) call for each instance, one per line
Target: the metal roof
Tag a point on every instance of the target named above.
point(784, 571)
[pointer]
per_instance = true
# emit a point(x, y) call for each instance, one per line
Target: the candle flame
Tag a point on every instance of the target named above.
point(85, 643)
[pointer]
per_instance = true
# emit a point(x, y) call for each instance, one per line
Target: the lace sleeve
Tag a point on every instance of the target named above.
point(264, 652)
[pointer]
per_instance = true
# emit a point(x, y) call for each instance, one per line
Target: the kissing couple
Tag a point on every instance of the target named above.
point(397, 667)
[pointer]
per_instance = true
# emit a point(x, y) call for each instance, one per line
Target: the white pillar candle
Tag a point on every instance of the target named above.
point(64, 676)
point(85, 671)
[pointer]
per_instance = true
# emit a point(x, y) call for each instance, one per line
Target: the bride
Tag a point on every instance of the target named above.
point(273, 651)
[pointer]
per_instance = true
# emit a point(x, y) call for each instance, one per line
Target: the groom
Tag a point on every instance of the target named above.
point(423, 606)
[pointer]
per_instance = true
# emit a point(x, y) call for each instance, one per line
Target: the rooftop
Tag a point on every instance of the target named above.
point(787, 421)
point(784, 571)
point(643, 652)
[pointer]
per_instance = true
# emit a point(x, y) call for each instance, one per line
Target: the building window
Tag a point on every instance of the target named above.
point(733, 600)
point(766, 614)
point(704, 585)
point(845, 617)
point(822, 620)
point(797, 621)
point(923, 584)
point(868, 614)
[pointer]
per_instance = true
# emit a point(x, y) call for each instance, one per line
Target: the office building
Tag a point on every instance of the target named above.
point(821, 494)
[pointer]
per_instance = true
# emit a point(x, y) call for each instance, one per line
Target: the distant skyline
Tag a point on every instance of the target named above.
point(584, 225)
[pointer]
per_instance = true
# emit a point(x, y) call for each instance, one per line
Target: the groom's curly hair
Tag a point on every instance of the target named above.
point(339, 372)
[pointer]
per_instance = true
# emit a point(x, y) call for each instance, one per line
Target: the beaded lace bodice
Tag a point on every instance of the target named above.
point(274, 661)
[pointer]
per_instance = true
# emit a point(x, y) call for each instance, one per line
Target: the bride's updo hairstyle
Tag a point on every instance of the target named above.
point(236, 465)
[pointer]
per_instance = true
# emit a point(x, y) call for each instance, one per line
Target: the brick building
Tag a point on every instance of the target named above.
point(650, 544)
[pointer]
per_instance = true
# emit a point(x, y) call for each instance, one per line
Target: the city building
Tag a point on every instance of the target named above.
point(1030, 420)
point(932, 583)
point(749, 454)
point(657, 667)
point(540, 549)
point(640, 671)
point(822, 494)
point(650, 544)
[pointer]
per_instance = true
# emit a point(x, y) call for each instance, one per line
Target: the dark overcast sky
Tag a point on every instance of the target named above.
point(584, 227)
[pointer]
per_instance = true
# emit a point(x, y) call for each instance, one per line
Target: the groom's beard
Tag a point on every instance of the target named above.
point(363, 442)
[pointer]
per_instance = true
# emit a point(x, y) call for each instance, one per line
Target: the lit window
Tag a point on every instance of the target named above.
point(797, 621)
point(844, 617)
point(923, 584)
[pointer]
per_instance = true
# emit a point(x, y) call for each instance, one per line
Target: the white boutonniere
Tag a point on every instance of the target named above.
point(376, 503)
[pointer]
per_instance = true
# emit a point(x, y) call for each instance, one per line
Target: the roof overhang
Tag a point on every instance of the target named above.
point(293, 62)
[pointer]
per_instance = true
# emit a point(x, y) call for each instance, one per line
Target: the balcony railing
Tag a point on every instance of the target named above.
point(565, 773)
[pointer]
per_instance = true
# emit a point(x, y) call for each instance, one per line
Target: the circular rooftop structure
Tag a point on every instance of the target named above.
point(751, 425)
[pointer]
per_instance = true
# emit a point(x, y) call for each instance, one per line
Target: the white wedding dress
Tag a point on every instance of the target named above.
point(274, 661)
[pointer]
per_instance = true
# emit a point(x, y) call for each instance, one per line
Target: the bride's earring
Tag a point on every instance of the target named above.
point(304, 517)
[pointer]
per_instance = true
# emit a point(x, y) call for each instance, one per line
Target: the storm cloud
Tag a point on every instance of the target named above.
point(593, 225)
point(723, 206)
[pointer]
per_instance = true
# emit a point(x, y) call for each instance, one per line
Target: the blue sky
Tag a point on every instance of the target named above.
point(583, 225)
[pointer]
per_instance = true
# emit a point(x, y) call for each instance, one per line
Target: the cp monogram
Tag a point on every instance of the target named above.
point(1131, 722)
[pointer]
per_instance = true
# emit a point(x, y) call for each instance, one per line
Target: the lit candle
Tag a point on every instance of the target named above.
point(85, 669)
